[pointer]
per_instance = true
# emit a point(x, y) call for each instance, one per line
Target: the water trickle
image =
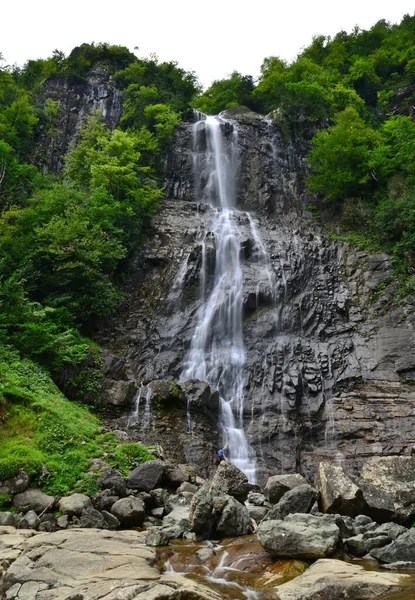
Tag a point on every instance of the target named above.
point(217, 353)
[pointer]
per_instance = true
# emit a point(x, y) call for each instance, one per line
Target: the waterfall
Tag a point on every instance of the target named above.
point(217, 353)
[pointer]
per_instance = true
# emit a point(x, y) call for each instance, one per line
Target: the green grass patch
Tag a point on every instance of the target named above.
point(50, 437)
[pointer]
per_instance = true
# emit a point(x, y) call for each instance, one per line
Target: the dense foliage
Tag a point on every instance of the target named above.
point(357, 92)
point(65, 240)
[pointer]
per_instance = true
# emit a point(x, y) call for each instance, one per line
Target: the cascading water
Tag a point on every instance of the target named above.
point(217, 353)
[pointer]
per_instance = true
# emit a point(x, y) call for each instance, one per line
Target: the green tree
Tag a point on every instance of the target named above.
point(342, 159)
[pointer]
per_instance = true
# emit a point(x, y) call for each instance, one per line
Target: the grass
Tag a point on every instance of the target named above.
point(50, 437)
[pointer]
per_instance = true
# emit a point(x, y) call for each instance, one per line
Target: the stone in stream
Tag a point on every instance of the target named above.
point(299, 536)
point(402, 549)
point(214, 513)
point(331, 579)
point(232, 481)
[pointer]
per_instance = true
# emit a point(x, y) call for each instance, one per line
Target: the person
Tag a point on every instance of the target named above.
point(220, 454)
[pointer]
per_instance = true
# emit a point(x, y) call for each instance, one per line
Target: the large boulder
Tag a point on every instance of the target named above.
point(117, 393)
point(33, 499)
point(74, 504)
point(216, 514)
point(393, 475)
point(331, 579)
point(15, 485)
point(129, 511)
point(299, 536)
point(298, 500)
point(112, 480)
point(234, 519)
point(338, 493)
point(231, 480)
point(278, 485)
point(147, 476)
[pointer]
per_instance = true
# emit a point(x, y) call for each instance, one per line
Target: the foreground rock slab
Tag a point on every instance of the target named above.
point(89, 564)
point(334, 579)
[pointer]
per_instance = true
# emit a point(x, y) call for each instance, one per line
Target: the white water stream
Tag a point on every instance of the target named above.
point(217, 353)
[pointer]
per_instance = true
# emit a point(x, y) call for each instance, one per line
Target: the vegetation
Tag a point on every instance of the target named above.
point(355, 90)
point(66, 237)
point(65, 241)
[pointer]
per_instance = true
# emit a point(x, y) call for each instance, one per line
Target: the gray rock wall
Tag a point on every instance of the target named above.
point(328, 344)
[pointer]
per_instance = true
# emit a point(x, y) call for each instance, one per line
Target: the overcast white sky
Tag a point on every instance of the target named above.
point(212, 38)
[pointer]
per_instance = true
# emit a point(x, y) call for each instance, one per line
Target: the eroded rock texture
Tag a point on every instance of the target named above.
point(328, 344)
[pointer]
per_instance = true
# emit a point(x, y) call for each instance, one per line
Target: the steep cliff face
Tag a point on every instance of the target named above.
point(328, 344)
point(73, 102)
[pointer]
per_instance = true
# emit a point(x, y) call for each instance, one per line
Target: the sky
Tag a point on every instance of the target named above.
point(212, 38)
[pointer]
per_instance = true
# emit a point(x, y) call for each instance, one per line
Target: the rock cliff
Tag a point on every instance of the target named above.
point(329, 346)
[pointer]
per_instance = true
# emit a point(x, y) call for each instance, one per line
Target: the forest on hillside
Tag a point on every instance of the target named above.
point(66, 237)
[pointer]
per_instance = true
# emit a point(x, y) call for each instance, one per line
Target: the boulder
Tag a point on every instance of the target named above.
point(331, 579)
point(29, 521)
point(176, 524)
point(7, 519)
point(91, 518)
point(74, 504)
point(299, 536)
point(216, 514)
point(257, 513)
point(298, 500)
point(338, 493)
point(111, 520)
point(377, 504)
point(104, 500)
point(15, 485)
point(230, 480)
point(157, 536)
point(187, 487)
point(112, 480)
point(129, 511)
point(277, 485)
point(147, 476)
point(175, 476)
point(402, 549)
point(33, 499)
point(182, 499)
point(117, 393)
point(159, 496)
point(256, 499)
point(234, 519)
point(393, 475)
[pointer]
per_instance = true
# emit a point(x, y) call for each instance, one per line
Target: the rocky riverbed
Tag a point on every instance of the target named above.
point(223, 538)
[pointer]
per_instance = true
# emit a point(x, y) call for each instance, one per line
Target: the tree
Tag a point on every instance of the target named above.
point(341, 159)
